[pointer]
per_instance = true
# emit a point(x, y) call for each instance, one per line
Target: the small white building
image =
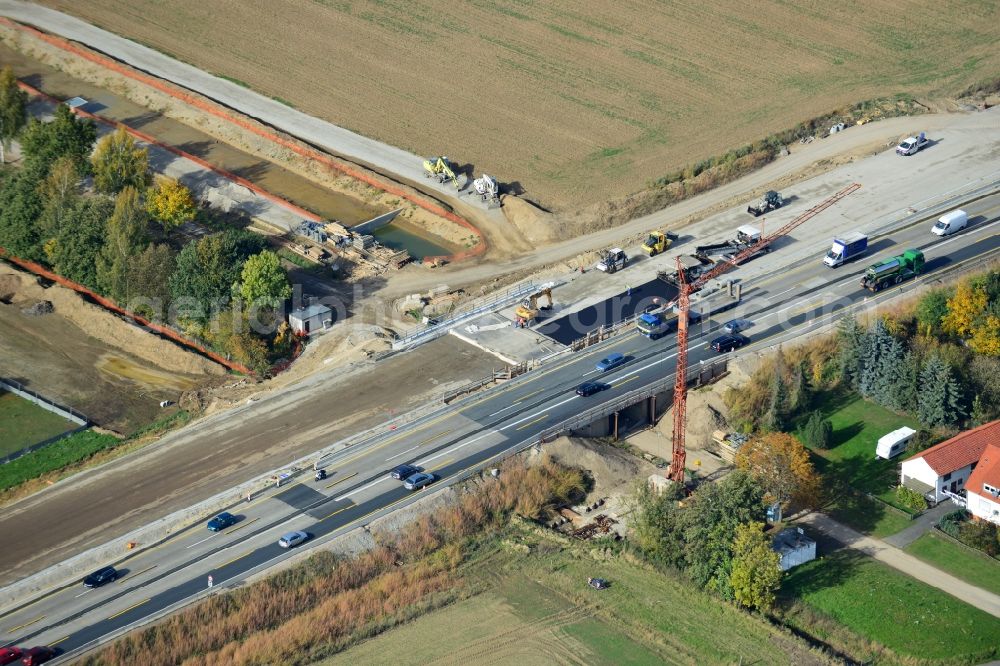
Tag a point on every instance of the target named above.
point(983, 487)
point(310, 319)
point(794, 547)
point(891, 445)
point(947, 466)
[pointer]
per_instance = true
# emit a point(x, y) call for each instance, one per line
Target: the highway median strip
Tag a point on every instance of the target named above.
point(235, 559)
point(131, 576)
point(342, 479)
point(123, 612)
point(531, 423)
point(241, 526)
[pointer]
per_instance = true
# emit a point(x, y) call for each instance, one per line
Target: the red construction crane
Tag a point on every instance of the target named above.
point(683, 302)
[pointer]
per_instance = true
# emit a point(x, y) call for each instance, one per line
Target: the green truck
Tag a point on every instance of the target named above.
point(893, 270)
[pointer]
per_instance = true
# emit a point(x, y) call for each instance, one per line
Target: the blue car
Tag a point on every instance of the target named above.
point(610, 362)
point(221, 522)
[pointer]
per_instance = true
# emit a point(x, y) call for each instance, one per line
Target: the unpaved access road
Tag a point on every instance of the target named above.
point(220, 451)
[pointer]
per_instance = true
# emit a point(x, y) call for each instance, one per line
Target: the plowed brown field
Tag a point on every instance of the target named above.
point(579, 101)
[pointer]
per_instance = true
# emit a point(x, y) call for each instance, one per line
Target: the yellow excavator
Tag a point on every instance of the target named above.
point(657, 242)
point(440, 168)
point(529, 308)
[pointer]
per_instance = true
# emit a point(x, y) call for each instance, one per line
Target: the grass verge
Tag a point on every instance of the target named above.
point(56, 456)
point(889, 609)
point(977, 569)
point(867, 516)
point(23, 423)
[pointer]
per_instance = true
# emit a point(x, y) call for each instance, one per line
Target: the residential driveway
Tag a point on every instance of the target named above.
point(919, 526)
point(894, 557)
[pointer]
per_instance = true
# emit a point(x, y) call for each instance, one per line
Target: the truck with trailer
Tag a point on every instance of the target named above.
point(656, 324)
point(846, 248)
point(893, 270)
point(746, 236)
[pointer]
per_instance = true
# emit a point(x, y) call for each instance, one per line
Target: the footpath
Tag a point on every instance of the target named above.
point(897, 559)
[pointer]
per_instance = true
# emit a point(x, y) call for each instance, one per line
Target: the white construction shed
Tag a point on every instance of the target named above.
point(794, 547)
point(891, 445)
point(310, 319)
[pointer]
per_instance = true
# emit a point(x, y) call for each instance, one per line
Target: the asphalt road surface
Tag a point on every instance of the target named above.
point(456, 439)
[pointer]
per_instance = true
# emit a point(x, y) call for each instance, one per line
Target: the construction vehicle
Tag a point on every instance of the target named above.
point(440, 168)
point(893, 270)
point(657, 323)
point(683, 303)
point(657, 242)
point(846, 248)
point(487, 187)
point(692, 266)
point(770, 201)
point(529, 308)
point(612, 260)
point(747, 236)
point(912, 144)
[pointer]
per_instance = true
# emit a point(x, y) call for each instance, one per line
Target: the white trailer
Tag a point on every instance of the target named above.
point(891, 445)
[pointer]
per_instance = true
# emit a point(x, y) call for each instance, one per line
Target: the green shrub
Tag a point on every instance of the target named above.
point(911, 499)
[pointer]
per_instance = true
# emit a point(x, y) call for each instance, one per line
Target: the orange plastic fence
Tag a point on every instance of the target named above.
point(114, 307)
point(219, 111)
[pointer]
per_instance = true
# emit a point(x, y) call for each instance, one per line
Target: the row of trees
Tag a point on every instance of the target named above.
point(115, 237)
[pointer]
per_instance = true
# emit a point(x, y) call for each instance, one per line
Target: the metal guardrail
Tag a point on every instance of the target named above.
point(474, 309)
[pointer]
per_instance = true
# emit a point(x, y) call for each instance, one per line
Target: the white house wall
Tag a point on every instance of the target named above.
point(984, 507)
point(919, 469)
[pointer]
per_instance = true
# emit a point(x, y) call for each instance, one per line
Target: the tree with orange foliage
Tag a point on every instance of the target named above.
point(964, 309)
point(986, 337)
point(782, 466)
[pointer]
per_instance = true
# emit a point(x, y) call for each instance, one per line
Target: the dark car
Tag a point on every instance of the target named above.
point(221, 522)
point(38, 655)
point(727, 343)
point(9, 655)
point(590, 388)
point(610, 362)
point(100, 577)
point(418, 481)
point(404, 471)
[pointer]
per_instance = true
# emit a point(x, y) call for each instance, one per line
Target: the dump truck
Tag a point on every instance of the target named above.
point(770, 201)
point(846, 248)
point(912, 144)
point(893, 270)
point(657, 242)
point(746, 236)
point(656, 324)
point(693, 267)
point(612, 260)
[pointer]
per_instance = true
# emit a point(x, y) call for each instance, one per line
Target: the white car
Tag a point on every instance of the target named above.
point(292, 539)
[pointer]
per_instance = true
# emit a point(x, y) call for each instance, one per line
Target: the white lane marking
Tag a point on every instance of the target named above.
point(202, 541)
point(539, 412)
point(83, 593)
point(423, 463)
point(400, 455)
point(364, 487)
point(591, 372)
point(503, 410)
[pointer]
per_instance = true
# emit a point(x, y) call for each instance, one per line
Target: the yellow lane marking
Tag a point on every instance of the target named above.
point(531, 423)
point(336, 512)
point(528, 395)
point(122, 612)
point(342, 479)
point(435, 437)
point(26, 624)
point(625, 381)
point(235, 559)
point(60, 640)
point(442, 465)
point(242, 525)
point(137, 573)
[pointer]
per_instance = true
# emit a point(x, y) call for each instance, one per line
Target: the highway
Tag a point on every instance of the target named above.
point(484, 426)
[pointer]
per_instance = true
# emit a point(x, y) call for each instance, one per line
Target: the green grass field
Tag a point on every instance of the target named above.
point(867, 516)
point(979, 570)
point(23, 423)
point(884, 605)
point(72, 449)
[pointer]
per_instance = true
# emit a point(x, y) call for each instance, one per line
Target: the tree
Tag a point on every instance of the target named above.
point(777, 409)
point(13, 109)
point(799, 393)
point(876, 343)
point(170, 203)
point(151, 273)
point(964, 309)
point(818, 432)
point(939, 401)
point(931, 309)
point(20, 207)
point(889, 375)
point(125, 239)
point(264, 281)
point(986, 336)
point(781, 465)
point(850, 358)
point(64, 135)
point(249, 350)
point(60, 193)
point(659, 528)
point(756, 573)
point(118, 163)
point(79, 240)
point(711, 518)
point(207, 270)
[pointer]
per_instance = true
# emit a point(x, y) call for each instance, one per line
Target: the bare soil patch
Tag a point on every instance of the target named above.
point(599, 98)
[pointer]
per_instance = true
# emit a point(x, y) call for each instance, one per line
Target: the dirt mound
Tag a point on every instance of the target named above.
point(38, 309)
point(534, 223)
point(614, 471)
point(10, 285)
point(104, 326)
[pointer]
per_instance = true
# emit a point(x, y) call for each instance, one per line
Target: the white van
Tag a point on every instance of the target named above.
point(891, 445)
point(950, 223)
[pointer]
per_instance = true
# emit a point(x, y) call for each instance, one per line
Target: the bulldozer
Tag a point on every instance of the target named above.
point(440, 168)
point(657, 242)
point(487, 187)
point(529, 308)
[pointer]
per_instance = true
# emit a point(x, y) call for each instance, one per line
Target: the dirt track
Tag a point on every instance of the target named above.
point(575, 102)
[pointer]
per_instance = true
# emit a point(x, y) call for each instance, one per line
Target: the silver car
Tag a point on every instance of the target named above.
point(292, 539)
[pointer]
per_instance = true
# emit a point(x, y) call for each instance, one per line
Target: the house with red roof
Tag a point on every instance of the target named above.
point(982, 490)
point(946, 468)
